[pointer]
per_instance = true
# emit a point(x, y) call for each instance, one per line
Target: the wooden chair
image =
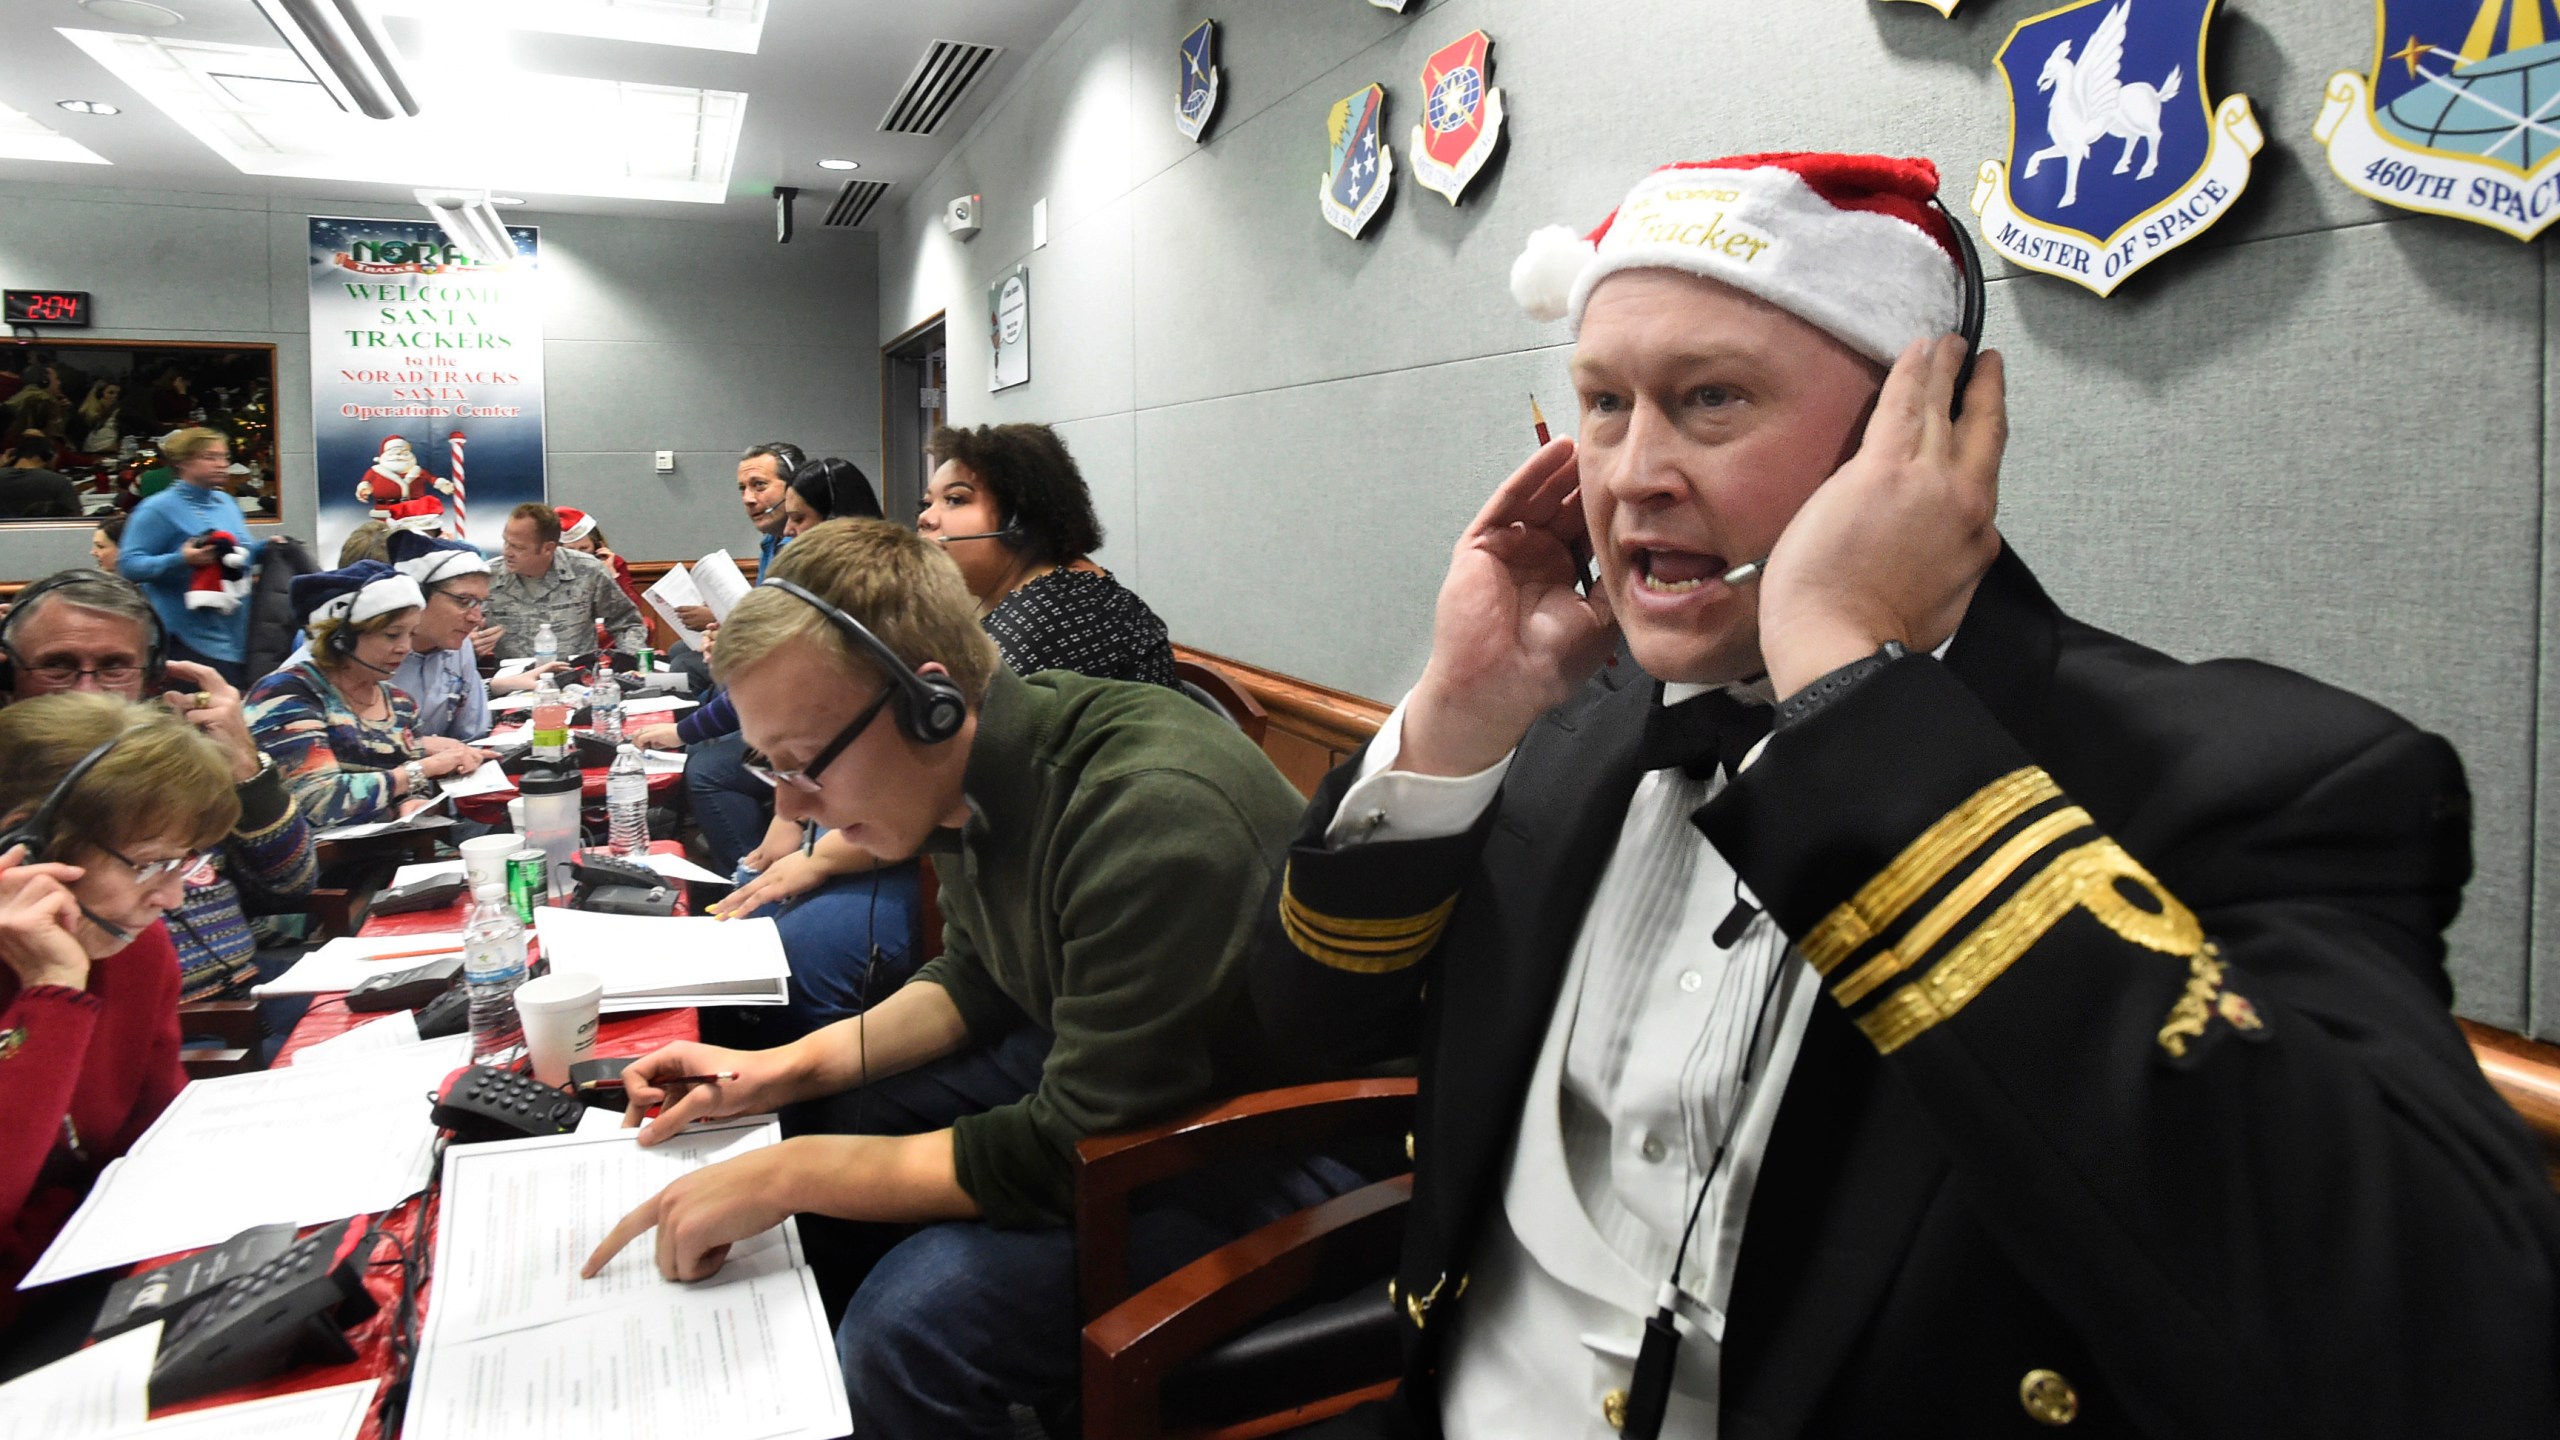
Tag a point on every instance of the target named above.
point(1281, 1328)
point(1231, 696)
point(2527, 1074)
point(233, 1026)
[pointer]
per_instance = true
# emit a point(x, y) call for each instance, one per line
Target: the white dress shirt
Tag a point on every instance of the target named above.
point(1636, 1084)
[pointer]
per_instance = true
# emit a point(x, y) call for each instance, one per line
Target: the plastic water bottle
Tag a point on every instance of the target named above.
point(626, 802)
point(493, 966)
point(546, 646)
point(606, 698)
point(550, 720)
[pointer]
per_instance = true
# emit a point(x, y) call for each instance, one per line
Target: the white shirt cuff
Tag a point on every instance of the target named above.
point(1389, 804)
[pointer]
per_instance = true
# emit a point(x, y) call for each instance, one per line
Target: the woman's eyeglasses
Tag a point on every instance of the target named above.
point(805, 779)
point(152, 871)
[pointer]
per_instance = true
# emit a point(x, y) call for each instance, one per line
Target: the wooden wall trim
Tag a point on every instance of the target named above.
point(1334, 719)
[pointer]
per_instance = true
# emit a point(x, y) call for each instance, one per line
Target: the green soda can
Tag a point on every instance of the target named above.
point(525, 884)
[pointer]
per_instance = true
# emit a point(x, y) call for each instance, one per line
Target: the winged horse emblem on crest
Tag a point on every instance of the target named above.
point(2091, 103)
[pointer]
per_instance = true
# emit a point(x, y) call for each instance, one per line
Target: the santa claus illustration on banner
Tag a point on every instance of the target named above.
point(396, 476)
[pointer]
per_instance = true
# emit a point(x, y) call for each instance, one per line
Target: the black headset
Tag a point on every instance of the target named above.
point(1971, 326)
point(36, 831)
point(787, 459)
point(930, 708)
point(155, 646)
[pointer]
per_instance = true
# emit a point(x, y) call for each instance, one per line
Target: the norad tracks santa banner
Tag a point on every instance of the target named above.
point(426, 377)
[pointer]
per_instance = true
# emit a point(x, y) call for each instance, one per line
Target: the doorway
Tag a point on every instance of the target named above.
point(914, 391)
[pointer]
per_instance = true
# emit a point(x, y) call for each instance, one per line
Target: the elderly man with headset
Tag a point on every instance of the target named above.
point(86, 630)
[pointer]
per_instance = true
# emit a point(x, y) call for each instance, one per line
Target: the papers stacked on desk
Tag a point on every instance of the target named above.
point(649, 963)
point(425, 819)
point(517, 1345)
point(350, 960)
point(304, 1144)
point(101, 1393)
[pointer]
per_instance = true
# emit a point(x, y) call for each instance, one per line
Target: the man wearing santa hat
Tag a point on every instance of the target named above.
point(395, 476)
point(1854, 997)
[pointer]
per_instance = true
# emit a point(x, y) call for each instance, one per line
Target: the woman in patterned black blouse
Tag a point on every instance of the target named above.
point(1010, 506)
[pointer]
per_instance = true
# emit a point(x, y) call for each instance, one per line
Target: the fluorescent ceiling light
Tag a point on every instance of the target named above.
point(88, 107)
point(133, 12)
point(549, 134)
point(343, 47)
point(506, 199)
point(472, 223)
point(839, 164)
point(24, 137)
point(736, 26)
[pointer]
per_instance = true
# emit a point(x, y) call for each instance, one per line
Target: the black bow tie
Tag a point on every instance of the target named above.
point(1699, 733)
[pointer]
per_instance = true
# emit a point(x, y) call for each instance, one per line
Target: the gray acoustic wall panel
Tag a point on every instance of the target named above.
point(2317, 436)
point(694, 337)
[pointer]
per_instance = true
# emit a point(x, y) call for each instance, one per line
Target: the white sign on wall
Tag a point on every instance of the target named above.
point(1009, 329)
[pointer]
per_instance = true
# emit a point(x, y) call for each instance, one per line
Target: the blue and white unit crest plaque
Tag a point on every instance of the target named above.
point(1197, 98)
point(2116, 156)
point(2460, 115)
point(1360, 170)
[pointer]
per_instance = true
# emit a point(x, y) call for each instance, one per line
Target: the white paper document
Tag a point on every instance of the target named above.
point(103, 1390)
point(426, 819)
point(487, 780)
point(335, 1412)
point(674, 590)
point(515, 704)
point(391, 1032)
point(720, 582)
point(661, 762)
point(517, 1345)
point(350, 960)
point(656, 705)
point(676, 867)
point(301, 1144)
point(426, 870)
point(517, 666)
point(648, 963)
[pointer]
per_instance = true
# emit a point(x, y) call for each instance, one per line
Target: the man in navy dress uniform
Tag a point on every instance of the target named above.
point(1875, 1002)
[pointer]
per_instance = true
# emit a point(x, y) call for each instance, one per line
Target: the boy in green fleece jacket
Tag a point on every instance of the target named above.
point(1102, 847)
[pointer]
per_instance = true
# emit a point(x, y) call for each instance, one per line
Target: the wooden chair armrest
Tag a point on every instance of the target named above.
point(1130, 1348)
point(233, 1022)
point(2526, 1074)
point(1296, 1118)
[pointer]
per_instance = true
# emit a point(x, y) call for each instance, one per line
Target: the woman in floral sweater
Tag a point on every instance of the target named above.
point(343, 738)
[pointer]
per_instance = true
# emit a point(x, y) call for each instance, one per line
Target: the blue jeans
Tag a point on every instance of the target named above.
point(851, 944)
point(955, 1321)
point(732, 806)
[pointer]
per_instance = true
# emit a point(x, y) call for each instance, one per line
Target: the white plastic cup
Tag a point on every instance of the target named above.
point(559, 1014)
point(484, 859)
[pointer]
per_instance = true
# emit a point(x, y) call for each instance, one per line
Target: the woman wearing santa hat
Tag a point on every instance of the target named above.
point(578, 531)
point(343, 737)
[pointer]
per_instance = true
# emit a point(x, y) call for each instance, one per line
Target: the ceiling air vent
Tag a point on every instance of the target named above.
point(945, 73)
point(853, 203)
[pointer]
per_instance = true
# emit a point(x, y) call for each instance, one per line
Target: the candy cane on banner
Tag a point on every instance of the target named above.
point(461, 493)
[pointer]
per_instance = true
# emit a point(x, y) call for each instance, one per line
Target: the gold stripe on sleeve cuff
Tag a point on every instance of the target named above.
point(1923, 863)
point(2084, 877)
point(1959, 902)
point(1363, 947)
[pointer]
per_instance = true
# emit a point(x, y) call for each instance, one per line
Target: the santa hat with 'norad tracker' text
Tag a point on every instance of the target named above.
point(1848, 243)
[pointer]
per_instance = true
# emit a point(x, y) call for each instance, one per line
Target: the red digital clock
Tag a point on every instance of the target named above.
point(45, 307)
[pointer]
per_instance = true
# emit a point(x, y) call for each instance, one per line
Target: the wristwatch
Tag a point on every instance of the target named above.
point(1795, 708)
point(266, 767)
point(416, 770)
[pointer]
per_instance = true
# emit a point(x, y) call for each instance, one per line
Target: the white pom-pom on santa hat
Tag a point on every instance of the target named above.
point(1542, 278)
point(1849, 243)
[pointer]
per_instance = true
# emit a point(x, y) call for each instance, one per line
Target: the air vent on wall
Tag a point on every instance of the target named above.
point(945, 73)
point(853, 203)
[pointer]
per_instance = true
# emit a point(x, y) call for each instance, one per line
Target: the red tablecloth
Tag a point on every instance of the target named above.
point(413, 1222)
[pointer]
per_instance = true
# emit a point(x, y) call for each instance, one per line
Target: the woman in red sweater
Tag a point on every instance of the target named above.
point(89, 987)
